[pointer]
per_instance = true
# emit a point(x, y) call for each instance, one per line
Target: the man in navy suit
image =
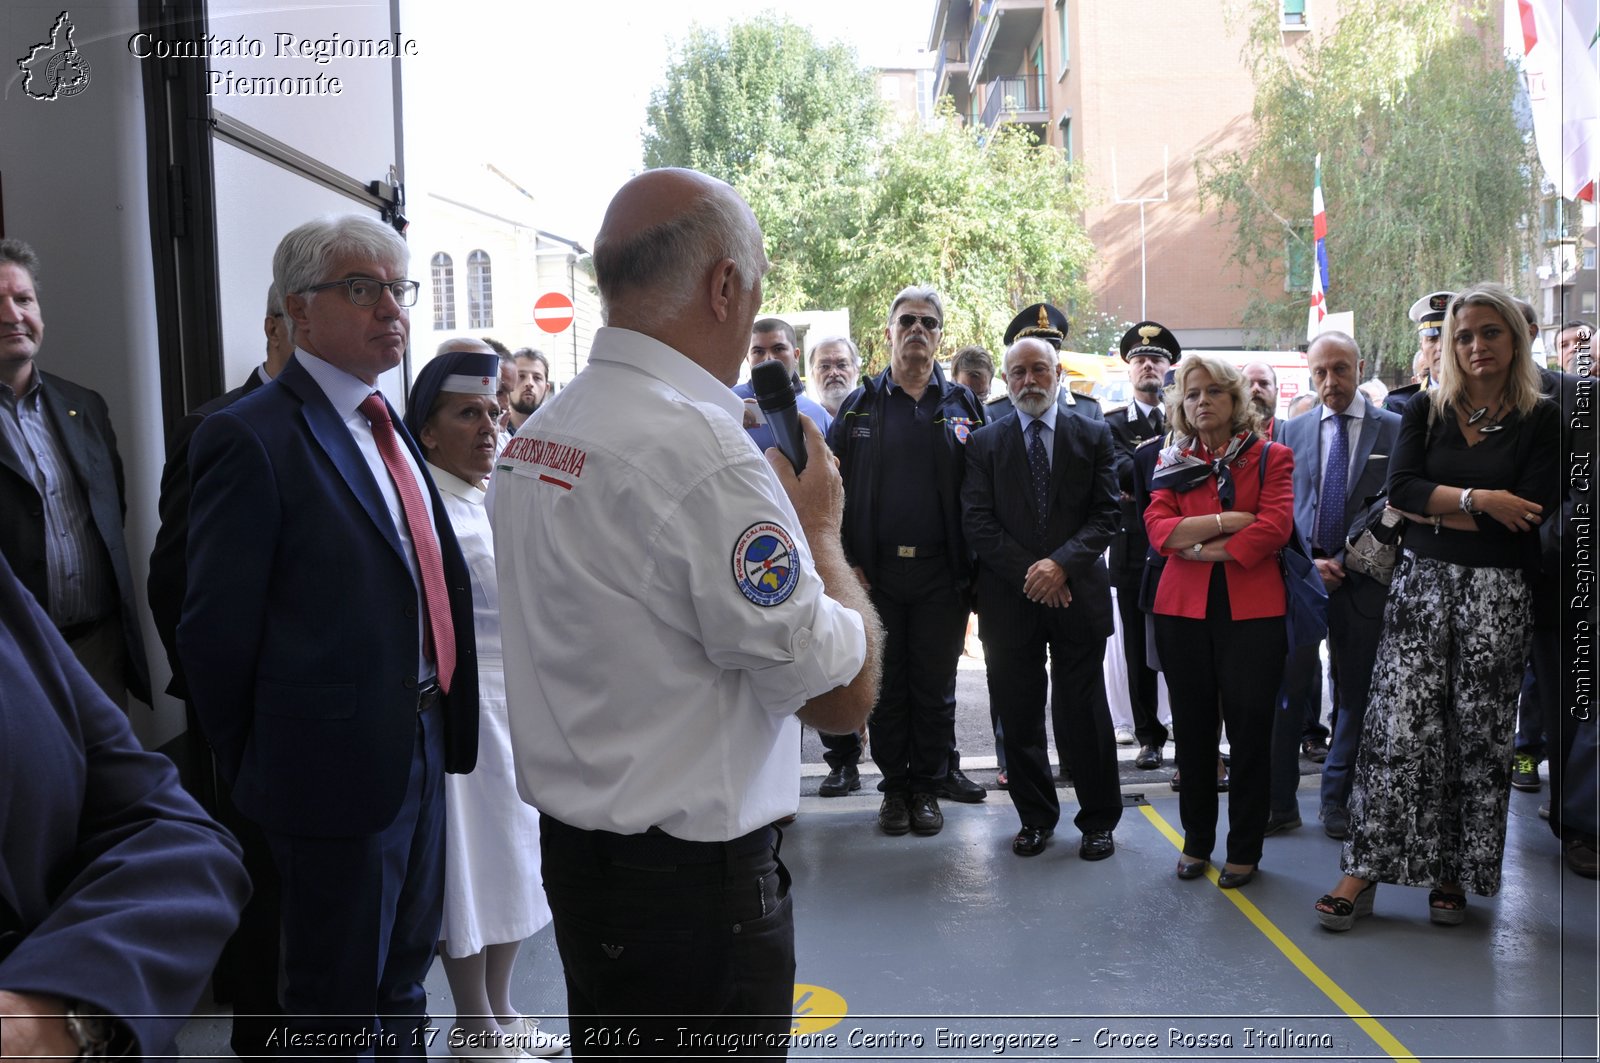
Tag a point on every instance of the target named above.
point(1345, 422)
point(1039, 507)
point(327, 642)
point(116, 890)
point(247, 975)
point(61, 492)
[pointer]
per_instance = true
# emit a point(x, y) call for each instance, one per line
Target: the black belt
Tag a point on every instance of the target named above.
point(896, 553)
point(73, 632)
point(428, 696)
point(656, 848)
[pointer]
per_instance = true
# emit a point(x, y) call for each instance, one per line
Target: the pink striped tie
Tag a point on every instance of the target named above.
point(441, 641)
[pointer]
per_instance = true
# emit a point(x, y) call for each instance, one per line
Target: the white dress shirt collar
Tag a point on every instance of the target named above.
point(1356, 409)
point(345, 391)
point(672, 367)
point(1048, 417)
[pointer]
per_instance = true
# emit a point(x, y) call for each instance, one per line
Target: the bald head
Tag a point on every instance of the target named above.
point(1334, 362)
point(679, 258)
point(465, 343)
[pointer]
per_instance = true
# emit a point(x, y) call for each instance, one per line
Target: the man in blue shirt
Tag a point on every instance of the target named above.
point(773, 337)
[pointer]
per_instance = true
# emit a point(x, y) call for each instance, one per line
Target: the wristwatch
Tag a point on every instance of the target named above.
point(1197, 548)
point(93, 1030)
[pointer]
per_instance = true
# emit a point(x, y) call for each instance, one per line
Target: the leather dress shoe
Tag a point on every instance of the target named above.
point(1336, 821)
point(1314, 750)
point(894, 815)
point(957, 787)
point(1232, 880)
point(1191, 869)
point(1096, 845)
point(925, 815)
point(840, 781)
point(1030, 840)
point(1149, 758)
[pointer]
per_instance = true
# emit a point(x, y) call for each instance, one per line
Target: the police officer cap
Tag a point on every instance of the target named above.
point(458, 372)
point(1040, 321)
point(1151, 337)
point(1428, 312)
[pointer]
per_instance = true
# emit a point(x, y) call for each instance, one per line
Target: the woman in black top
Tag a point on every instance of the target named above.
point(1475, 470)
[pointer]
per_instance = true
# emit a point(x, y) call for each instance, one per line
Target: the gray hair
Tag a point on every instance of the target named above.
point(659, 268)
point(274, 300)
point(464, 343)
point(306, 254)
point(18, 253)
point(916, 293)
point(837, 341)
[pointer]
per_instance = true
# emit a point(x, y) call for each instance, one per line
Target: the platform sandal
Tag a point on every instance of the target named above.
point(1446, 909)
point(1339, 915)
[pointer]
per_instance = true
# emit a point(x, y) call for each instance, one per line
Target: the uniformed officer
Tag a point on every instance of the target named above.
point(671, 602)
point(1045, 322)
point(901, 441)
point(1149, 349)
point(1428, 313)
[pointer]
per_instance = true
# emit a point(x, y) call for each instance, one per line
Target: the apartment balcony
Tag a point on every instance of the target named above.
point(1017, 98)
point(1001, 35)
point(952, 62)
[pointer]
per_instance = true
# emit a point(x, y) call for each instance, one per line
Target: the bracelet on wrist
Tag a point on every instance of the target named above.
point(1219, 522)
point(1438, 521)
point(1466, 502)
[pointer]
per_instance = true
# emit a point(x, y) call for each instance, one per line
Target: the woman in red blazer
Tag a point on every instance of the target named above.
point(1220, 519)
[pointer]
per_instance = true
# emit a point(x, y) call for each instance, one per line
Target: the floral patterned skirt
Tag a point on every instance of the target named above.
point(1432, 775)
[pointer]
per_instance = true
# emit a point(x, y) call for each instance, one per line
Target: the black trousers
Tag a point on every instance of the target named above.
point(1237, 665)
point(1142, 693)
point(1016, 634)
point(913, 725)
point(672, 949)
point(841, 751)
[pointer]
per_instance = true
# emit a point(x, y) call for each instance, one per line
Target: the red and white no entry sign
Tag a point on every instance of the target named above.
point(552, 312)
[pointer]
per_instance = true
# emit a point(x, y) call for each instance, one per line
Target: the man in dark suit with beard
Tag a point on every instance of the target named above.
point(1039, 507)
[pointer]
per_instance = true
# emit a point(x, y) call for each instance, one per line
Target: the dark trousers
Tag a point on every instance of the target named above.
point(841, 751)
point(1530, 717)
point(1142, 693)
point(1558, 697)
point(1016, 634)
point(1237, 664)
point(1288, 726)
point(361, 919)
point(913, 725)
point(670, 946)
point(247, 972)
point(1355, 627)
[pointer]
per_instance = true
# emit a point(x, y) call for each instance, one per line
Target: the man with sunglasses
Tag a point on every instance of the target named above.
point(327, 640)
point(901, 441)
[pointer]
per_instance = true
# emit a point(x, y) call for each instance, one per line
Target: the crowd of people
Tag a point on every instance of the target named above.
point(357, 608)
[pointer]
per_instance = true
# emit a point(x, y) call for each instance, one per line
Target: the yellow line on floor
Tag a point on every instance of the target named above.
point(1314, 974)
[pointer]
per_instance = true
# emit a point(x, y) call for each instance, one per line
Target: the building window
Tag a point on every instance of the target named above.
point(480, 291)
point(1588, 258)
point(1587, 302)
point(1064, 123)
point(1294, 14)
point(1066, 38)
point(444, 292)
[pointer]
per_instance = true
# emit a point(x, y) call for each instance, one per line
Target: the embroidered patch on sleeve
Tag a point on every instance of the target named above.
point(765, 564)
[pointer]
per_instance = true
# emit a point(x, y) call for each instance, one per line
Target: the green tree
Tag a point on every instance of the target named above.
point(791, 123)
point(990, 220)
point(1429, 182)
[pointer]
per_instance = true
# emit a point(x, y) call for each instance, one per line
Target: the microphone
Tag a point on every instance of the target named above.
point(775, 395)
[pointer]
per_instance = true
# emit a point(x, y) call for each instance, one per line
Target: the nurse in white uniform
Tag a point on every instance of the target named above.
point(493, 898)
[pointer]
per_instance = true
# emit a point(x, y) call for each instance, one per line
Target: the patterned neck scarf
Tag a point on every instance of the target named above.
point(1185, 465)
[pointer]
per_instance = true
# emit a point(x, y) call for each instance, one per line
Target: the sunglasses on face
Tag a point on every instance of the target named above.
point(929, 323)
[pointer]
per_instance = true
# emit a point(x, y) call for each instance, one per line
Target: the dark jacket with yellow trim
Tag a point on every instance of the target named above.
point(854, 439)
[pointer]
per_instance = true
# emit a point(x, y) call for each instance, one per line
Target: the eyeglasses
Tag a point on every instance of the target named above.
point(932, 324)
point(366, 291)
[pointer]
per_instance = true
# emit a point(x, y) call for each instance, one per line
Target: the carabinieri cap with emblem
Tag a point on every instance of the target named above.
point(1151, 337)
point(1428, 312)
point(1039, 321)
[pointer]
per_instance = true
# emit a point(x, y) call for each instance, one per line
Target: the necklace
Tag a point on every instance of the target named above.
point(1490, 424)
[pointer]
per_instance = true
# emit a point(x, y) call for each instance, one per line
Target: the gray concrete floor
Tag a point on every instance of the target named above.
point(907, 937)
point(917, 935)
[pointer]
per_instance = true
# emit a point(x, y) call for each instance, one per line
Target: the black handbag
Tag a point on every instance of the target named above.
point(1373, 547)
